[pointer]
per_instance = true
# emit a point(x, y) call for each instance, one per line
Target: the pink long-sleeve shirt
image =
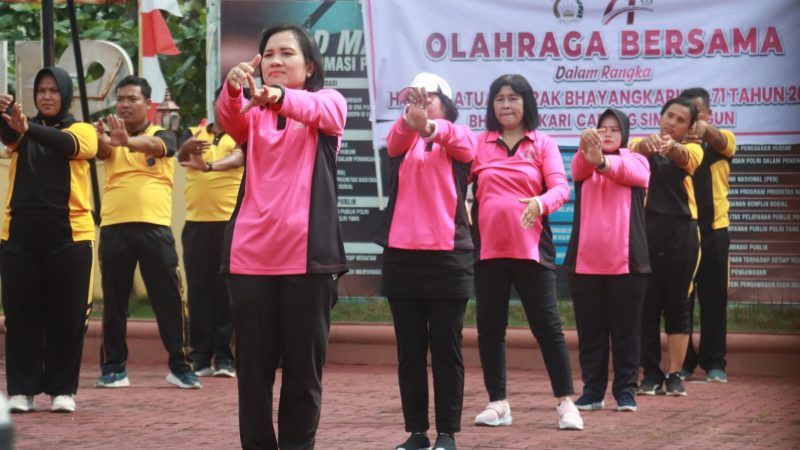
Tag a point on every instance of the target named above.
point(608, 231)
point(534, 170)
point(428, 187)
point(286, 219)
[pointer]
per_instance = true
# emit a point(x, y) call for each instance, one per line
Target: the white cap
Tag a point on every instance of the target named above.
point(431, 83)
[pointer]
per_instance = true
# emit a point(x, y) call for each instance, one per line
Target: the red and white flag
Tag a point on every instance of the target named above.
point(155, 39)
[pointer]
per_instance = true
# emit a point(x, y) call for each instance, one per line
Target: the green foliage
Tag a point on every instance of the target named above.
point(184, 73)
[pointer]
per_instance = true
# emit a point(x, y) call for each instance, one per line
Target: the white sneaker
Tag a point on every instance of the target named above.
point(495, 414)
point(63, 403)
point(225, 372)
point(569, 418)
point(205, 372)
point(20, 403)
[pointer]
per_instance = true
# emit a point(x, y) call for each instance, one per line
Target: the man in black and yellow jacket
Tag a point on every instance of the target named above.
point(136, 218)
point(711, 283)
point(213, 163)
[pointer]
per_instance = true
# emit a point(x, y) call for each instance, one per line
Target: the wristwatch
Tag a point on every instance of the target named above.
point(209, 167)
point(602, 165)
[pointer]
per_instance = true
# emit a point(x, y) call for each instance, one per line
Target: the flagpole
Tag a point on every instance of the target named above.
point(139, 26)
point(48, 34)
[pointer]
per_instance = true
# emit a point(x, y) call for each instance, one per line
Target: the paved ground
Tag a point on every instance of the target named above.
point(362, 411)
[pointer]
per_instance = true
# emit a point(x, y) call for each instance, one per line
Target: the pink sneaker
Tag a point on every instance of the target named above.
point(496, 414)
point(569, 418)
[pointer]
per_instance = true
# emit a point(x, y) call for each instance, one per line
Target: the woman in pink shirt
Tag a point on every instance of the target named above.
point(607, 259)
point(427, 258)
point(283, 250)
point(519, 179)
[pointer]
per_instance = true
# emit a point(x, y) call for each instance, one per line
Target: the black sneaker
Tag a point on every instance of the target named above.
point(651, 386)
point(445, 441)
point(626, 402)
point(417, 441)
point(675, 385)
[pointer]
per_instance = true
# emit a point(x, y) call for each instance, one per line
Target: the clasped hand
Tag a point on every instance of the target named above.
point(590, 146)
point(656, 144)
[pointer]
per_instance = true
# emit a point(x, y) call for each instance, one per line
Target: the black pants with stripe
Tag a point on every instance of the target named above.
point(608, 308)
point(674, 245)
point(153, 247)
point(210, 327)
point(47, 298)
point(711, 287)
point(536, 286)
point(420, 323)
point(284, 317)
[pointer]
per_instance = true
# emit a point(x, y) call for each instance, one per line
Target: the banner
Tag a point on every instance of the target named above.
point(582, 56)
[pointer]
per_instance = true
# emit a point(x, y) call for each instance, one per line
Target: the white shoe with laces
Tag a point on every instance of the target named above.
point(569, 418)
point(63, 403)
point(20, 403)
point(495, 414)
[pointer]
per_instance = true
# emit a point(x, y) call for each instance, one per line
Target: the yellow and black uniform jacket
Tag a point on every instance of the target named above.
point(671, 190)
point(211, 196)
point(711, 185)
point(49, 195)
point(138, 186)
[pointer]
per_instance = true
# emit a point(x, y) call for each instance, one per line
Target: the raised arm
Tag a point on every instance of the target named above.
point(457, 140)
point(721, 141)
point(233, 121)
point(7, 134)
point(160, 146)
point(325, 109)
point(588, 147)
point(401, 137)
point(627, 169)
point(729, 149)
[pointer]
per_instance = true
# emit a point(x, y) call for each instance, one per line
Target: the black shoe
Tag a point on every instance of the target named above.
point(626, 402)
point(417, 441)
point(675, 385)
point(651, 386)
point(445, 441)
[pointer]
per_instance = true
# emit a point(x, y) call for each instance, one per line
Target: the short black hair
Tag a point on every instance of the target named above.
point(307, 45)
point(449, 107)
point(133, 80)
point(518, 84)
point(697, 92)
point(683, 101)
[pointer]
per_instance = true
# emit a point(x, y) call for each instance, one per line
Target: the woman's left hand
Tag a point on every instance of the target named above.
point(17, 121)
point(530, 214)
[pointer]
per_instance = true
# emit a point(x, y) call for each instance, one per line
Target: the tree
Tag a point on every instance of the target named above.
point(184, 73)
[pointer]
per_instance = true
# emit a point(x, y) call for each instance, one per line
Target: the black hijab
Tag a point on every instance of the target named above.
point(624, 124)
point(64, 83)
